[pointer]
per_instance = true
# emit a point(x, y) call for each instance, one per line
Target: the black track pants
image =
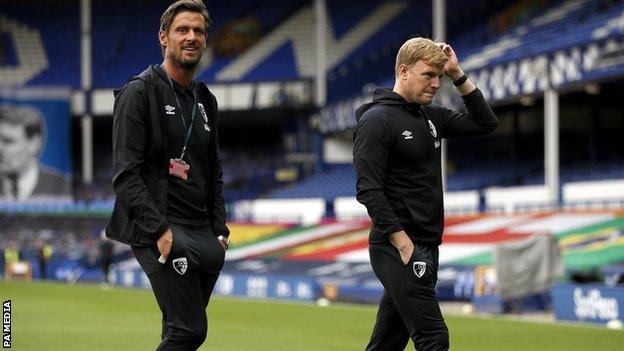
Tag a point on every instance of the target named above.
point(183, 284)
point(409, 305)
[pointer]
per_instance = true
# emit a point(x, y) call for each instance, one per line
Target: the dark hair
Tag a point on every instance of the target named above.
point(183, 5)
point(179, 6)
point(27, 117)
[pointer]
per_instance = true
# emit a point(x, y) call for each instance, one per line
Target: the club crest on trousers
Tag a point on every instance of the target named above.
point(419, 268)
point(180, 265)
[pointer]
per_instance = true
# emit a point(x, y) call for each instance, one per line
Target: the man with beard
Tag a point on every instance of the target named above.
point(168, 180)
point(396, 154)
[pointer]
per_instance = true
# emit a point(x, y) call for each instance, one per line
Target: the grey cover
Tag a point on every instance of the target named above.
point(527, 266)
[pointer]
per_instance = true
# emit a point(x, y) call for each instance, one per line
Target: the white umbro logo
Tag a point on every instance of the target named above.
point(407, 134)
point(170, 110)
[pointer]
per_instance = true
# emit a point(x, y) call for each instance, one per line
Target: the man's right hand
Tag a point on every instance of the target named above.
point(402, 242)
point(164, 243)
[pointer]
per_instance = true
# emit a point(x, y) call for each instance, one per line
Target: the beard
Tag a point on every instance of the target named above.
point(184, 63)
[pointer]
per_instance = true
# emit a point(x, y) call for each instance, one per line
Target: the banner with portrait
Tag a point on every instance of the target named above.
point(35, 144)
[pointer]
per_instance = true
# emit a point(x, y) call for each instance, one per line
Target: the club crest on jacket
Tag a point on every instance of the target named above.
point(432, 129)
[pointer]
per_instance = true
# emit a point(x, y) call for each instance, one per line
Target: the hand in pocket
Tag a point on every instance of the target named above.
point(406, 255)
point(164, 243)
point(403, 244)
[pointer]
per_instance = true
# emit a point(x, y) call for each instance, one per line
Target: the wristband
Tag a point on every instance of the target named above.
point(162, 259)
point(461, 80)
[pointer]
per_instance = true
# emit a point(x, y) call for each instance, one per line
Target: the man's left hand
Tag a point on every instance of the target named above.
point(451, 69)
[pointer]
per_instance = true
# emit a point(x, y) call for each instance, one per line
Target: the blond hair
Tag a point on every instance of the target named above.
point(417, 49)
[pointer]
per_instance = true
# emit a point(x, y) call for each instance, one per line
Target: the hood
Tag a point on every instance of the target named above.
point(152, 69)
point(386, 97)
point(160, 72)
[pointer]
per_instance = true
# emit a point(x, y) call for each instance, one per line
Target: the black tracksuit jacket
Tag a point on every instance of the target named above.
point(141, 160)
point(396, 155)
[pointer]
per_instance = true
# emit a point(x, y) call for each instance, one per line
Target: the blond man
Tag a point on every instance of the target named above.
point(397, 159)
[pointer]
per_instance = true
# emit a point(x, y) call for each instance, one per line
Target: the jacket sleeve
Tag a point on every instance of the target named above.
point(218, 207)
point(478, 120)
point(129, 142)
point(371, 142)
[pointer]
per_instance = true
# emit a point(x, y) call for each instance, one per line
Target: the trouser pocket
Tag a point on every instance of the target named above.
point(180, 245)
point(421, 271)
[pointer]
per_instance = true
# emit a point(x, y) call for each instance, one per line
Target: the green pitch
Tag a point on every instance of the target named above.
point(84, 317)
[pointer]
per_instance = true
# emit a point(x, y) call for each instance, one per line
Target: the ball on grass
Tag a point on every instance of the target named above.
point(467, 309)
point(615, 324)
point(322, 302)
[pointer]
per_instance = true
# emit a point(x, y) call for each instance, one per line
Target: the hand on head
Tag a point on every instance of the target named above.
point(451, 69)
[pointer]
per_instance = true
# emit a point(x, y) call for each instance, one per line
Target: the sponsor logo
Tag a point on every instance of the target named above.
point(593, 305)
point(419, 268)
point(170, 110)
point(257, 286)
point(407, 134)
point(180, 265)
